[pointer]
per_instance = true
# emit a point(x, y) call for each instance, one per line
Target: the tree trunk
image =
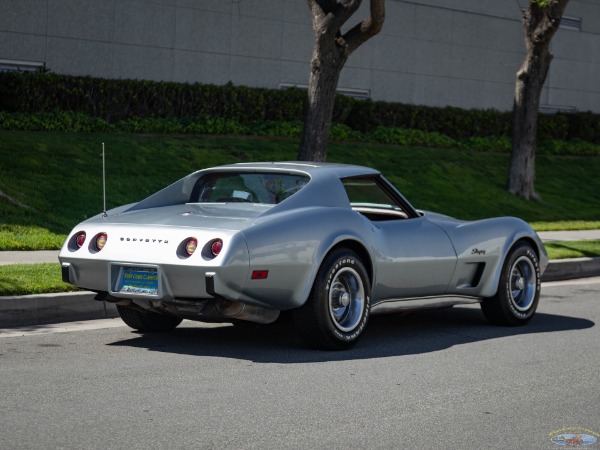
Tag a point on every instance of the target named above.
point(529, 83)
point(540, 22)
point(331, 51)
point(326, 66)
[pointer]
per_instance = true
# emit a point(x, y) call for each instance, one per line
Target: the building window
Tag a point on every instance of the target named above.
point(570, 23)
point(359, 94)
point(13, 65)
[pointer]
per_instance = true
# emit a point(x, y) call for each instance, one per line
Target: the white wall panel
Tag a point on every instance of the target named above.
point(435, 52)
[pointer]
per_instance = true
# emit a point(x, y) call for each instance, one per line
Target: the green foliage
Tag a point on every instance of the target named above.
point(21, 237)
point(115, 100)
point(456, 123)
point(417, 138)
point(566, 225)
point(96, 104)
point(341, 132)
point(26, 279)
point(78, 122)
point(573, 249)
point(554, 126)
point(275, 128)
point(500, 144)
point(53, 121)
point(542, 3)
point(584, 126)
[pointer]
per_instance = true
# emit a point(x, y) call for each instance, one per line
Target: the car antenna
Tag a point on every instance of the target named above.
point(103, 183)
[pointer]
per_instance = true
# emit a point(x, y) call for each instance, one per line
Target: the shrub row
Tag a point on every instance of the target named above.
point(118, 100)
point(78, 122)
point(114, 100)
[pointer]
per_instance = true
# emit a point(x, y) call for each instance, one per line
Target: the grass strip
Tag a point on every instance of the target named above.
point(573, 249)
point(29, 237)
point(26, 279)
point(566, 225)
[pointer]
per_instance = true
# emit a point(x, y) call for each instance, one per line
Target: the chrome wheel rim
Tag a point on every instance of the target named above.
point(522, 284)
point(346, 299)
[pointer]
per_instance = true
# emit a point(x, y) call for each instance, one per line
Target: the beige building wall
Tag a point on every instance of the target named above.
point(461, 53)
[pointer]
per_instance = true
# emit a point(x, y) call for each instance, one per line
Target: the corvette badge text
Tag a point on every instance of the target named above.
point(574, 437)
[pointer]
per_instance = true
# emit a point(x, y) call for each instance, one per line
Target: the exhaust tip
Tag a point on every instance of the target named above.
point(229, 308)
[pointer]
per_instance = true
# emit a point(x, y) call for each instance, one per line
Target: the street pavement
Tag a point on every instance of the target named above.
point(443, 379)
point(29, 310)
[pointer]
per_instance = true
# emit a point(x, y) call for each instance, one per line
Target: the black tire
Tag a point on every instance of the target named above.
point(518, 293)
point(337, 310)
point(147, 321)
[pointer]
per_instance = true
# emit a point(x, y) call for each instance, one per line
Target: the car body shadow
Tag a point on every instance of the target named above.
point(385, 336)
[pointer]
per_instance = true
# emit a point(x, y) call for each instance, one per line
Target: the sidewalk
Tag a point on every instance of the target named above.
point(22, 257)
point(65, 307)
point(580, 235)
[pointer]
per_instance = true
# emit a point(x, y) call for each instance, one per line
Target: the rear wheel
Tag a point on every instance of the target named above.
point(518, 293)
point(147, 321)
point(337, 310)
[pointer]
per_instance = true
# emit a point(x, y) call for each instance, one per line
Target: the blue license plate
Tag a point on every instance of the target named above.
point(139, 280)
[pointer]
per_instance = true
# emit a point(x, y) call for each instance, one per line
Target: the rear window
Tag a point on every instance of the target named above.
point(232, 187)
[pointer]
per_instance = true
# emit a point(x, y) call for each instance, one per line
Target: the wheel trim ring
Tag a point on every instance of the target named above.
point(522, 284)
point(346, 281)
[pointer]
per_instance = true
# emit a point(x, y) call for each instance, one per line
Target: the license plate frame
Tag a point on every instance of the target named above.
point(136, 280)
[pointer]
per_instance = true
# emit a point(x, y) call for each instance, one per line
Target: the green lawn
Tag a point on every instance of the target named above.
point(573, 249)
point(566, 225)
point(25, 279)
point(51, 181)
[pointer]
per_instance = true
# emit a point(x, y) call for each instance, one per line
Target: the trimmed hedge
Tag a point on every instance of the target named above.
point(78, 122)
point(135, 104)
point(114, 100)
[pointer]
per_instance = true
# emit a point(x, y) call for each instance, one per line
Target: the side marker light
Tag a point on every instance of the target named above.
point(260, 274)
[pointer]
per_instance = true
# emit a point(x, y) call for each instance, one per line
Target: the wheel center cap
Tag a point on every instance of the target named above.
point(521, 283)
point(344, 299)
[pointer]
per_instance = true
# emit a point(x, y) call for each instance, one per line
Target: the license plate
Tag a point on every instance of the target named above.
point(139, 280)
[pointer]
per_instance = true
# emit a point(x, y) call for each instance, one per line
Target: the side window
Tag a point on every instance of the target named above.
point(368, 198)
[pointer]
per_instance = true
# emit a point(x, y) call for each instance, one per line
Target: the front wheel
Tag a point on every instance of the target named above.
point(518, 293)
point(147, 321)
point(337, 310)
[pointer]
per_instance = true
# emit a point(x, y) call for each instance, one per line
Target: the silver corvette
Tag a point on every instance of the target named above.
point(331, 243)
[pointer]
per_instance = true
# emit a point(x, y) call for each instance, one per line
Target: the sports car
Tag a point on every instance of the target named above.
point(331, 243)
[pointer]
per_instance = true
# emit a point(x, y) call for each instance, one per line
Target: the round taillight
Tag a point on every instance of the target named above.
point(216, 247)
point(191, 244)
point(101, 241)
point(80, 239)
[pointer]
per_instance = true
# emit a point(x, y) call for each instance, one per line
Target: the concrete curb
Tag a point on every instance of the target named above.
point(74, 306)
point(52, 308)
point(566, 269)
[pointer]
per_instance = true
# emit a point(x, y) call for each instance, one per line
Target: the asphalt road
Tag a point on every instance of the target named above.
point(440, 379)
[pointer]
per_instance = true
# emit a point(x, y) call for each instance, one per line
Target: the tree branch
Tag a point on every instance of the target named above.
point(366, 29)
point(332, 14)
point(546, 20)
